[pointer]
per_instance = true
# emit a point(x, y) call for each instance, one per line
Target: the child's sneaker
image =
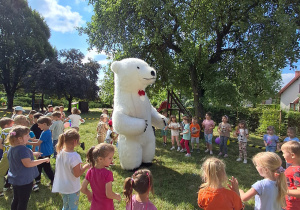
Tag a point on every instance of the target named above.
point(178, 149)
point(239, 159)
point(207, 150)
point(192, 150)
point(198, 150)
point(225, 156)
point(35, 188)
point(188, 155)
point(245, 161)
point(211, 153)
point(183, 150)
point(220, 154)
point(172, 148)
point(165, 144)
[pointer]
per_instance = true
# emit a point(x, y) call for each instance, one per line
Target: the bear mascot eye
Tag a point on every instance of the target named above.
point(138, 67)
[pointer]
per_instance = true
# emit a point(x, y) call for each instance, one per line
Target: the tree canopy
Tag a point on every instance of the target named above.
point(23, 43)
point(67, 76)
point(223, 52)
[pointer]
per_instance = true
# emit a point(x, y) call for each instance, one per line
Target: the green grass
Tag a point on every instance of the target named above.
point(176, 178)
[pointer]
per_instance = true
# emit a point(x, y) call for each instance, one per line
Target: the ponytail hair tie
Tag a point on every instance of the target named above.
point(280, 170)
point(12, 133)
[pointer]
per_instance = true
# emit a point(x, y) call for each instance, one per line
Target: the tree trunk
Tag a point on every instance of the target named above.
point(10, 100)
point(33, 101)
point(42, 102)
point(70, 103)
point(198, 94)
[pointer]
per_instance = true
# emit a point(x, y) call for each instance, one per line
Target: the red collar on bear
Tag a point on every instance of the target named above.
point(141, 93)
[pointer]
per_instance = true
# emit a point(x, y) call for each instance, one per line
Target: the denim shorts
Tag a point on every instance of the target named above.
point(208, 138)
point(70, 201)
point(164, 132)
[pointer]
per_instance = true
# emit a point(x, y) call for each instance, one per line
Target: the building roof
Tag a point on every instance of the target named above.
point(296, 101)
point(297, 76)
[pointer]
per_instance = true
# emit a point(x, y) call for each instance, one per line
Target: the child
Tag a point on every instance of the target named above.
point(102, 128)
point(271, 140)
point(100, 178)
point(270, 192)
point(22, 166)
point(291, 135)
point(212, 194)
point(208, 126)
point(18, 110)
point(63, 115)
point(36, 130)
point(174, 126)
point(68, 169)
point(195, 133)
point(50, 110)
point(30, 117)
point(6, 125)
point(224, 130)
point(142, 182)
point(164, 131)
point(105, 111)
point(291, 154)
point(75, 118)
point(242, 134)
point(186, 137)
point(56, 128)
point(46, 148)
point(111, 136)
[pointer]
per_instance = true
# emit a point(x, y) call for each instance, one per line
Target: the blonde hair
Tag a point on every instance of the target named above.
point(213, 173)
point(68, 136)
point(75, 111)
point(272, 162)
point(15, 133)
point(21, 120)
point(101, 150)
point(292, 147)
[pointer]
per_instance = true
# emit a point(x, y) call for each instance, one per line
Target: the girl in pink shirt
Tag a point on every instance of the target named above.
point(142, 182)
point(100, 179)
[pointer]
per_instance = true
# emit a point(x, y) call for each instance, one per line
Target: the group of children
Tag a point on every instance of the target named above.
point(280, 188)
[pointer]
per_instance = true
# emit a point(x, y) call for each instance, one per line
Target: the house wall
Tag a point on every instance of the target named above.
point(289, 95)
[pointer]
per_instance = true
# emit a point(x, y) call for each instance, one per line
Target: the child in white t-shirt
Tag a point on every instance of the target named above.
point(75, 118)
point(68, 169)
point(175, 127)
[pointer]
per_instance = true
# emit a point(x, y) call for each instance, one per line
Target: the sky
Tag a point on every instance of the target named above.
point(63, 16)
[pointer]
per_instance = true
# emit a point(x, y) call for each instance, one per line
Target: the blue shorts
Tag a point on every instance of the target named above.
point(271, 148)
point(70, 201)
point(208, 138)
point(164, 132)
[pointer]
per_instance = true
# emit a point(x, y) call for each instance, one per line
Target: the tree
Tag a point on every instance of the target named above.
point(65, 77)
point(227, 51)
point(23, 43)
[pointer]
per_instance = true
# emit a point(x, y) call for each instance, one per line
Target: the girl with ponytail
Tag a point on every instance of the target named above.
point(68, 169)
point(100, 178)
point(142, 182)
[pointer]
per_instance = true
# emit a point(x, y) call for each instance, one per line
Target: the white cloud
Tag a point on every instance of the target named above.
point(59, 18)
point(101, 57)
point(286, 78)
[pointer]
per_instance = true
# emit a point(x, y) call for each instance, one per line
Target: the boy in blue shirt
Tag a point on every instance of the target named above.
point(46, 148)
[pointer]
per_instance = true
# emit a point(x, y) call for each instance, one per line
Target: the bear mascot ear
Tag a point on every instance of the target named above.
point(115, 66)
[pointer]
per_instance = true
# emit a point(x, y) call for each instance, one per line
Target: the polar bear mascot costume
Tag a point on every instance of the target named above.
point(133, 114)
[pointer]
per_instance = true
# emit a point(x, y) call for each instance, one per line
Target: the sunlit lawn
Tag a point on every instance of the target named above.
point(176, 178)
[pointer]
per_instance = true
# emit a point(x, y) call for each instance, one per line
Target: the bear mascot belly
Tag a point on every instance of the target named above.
point(133, 114)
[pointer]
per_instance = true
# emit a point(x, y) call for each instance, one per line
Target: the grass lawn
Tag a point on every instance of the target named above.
point(176, 178)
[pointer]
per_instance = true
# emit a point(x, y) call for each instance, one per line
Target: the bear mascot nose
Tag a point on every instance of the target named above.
point(153, 73)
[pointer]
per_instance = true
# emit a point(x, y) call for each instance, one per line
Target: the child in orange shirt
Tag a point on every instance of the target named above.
point(212, 194)
point(195, 133)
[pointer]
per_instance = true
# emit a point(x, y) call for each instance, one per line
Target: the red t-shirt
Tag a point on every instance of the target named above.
point(292, 174)
point(213, 199)
point(98, 179)
point(195, 127)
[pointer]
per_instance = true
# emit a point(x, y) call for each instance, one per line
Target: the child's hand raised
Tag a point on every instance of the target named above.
point(234, 184)
point(118, 198)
